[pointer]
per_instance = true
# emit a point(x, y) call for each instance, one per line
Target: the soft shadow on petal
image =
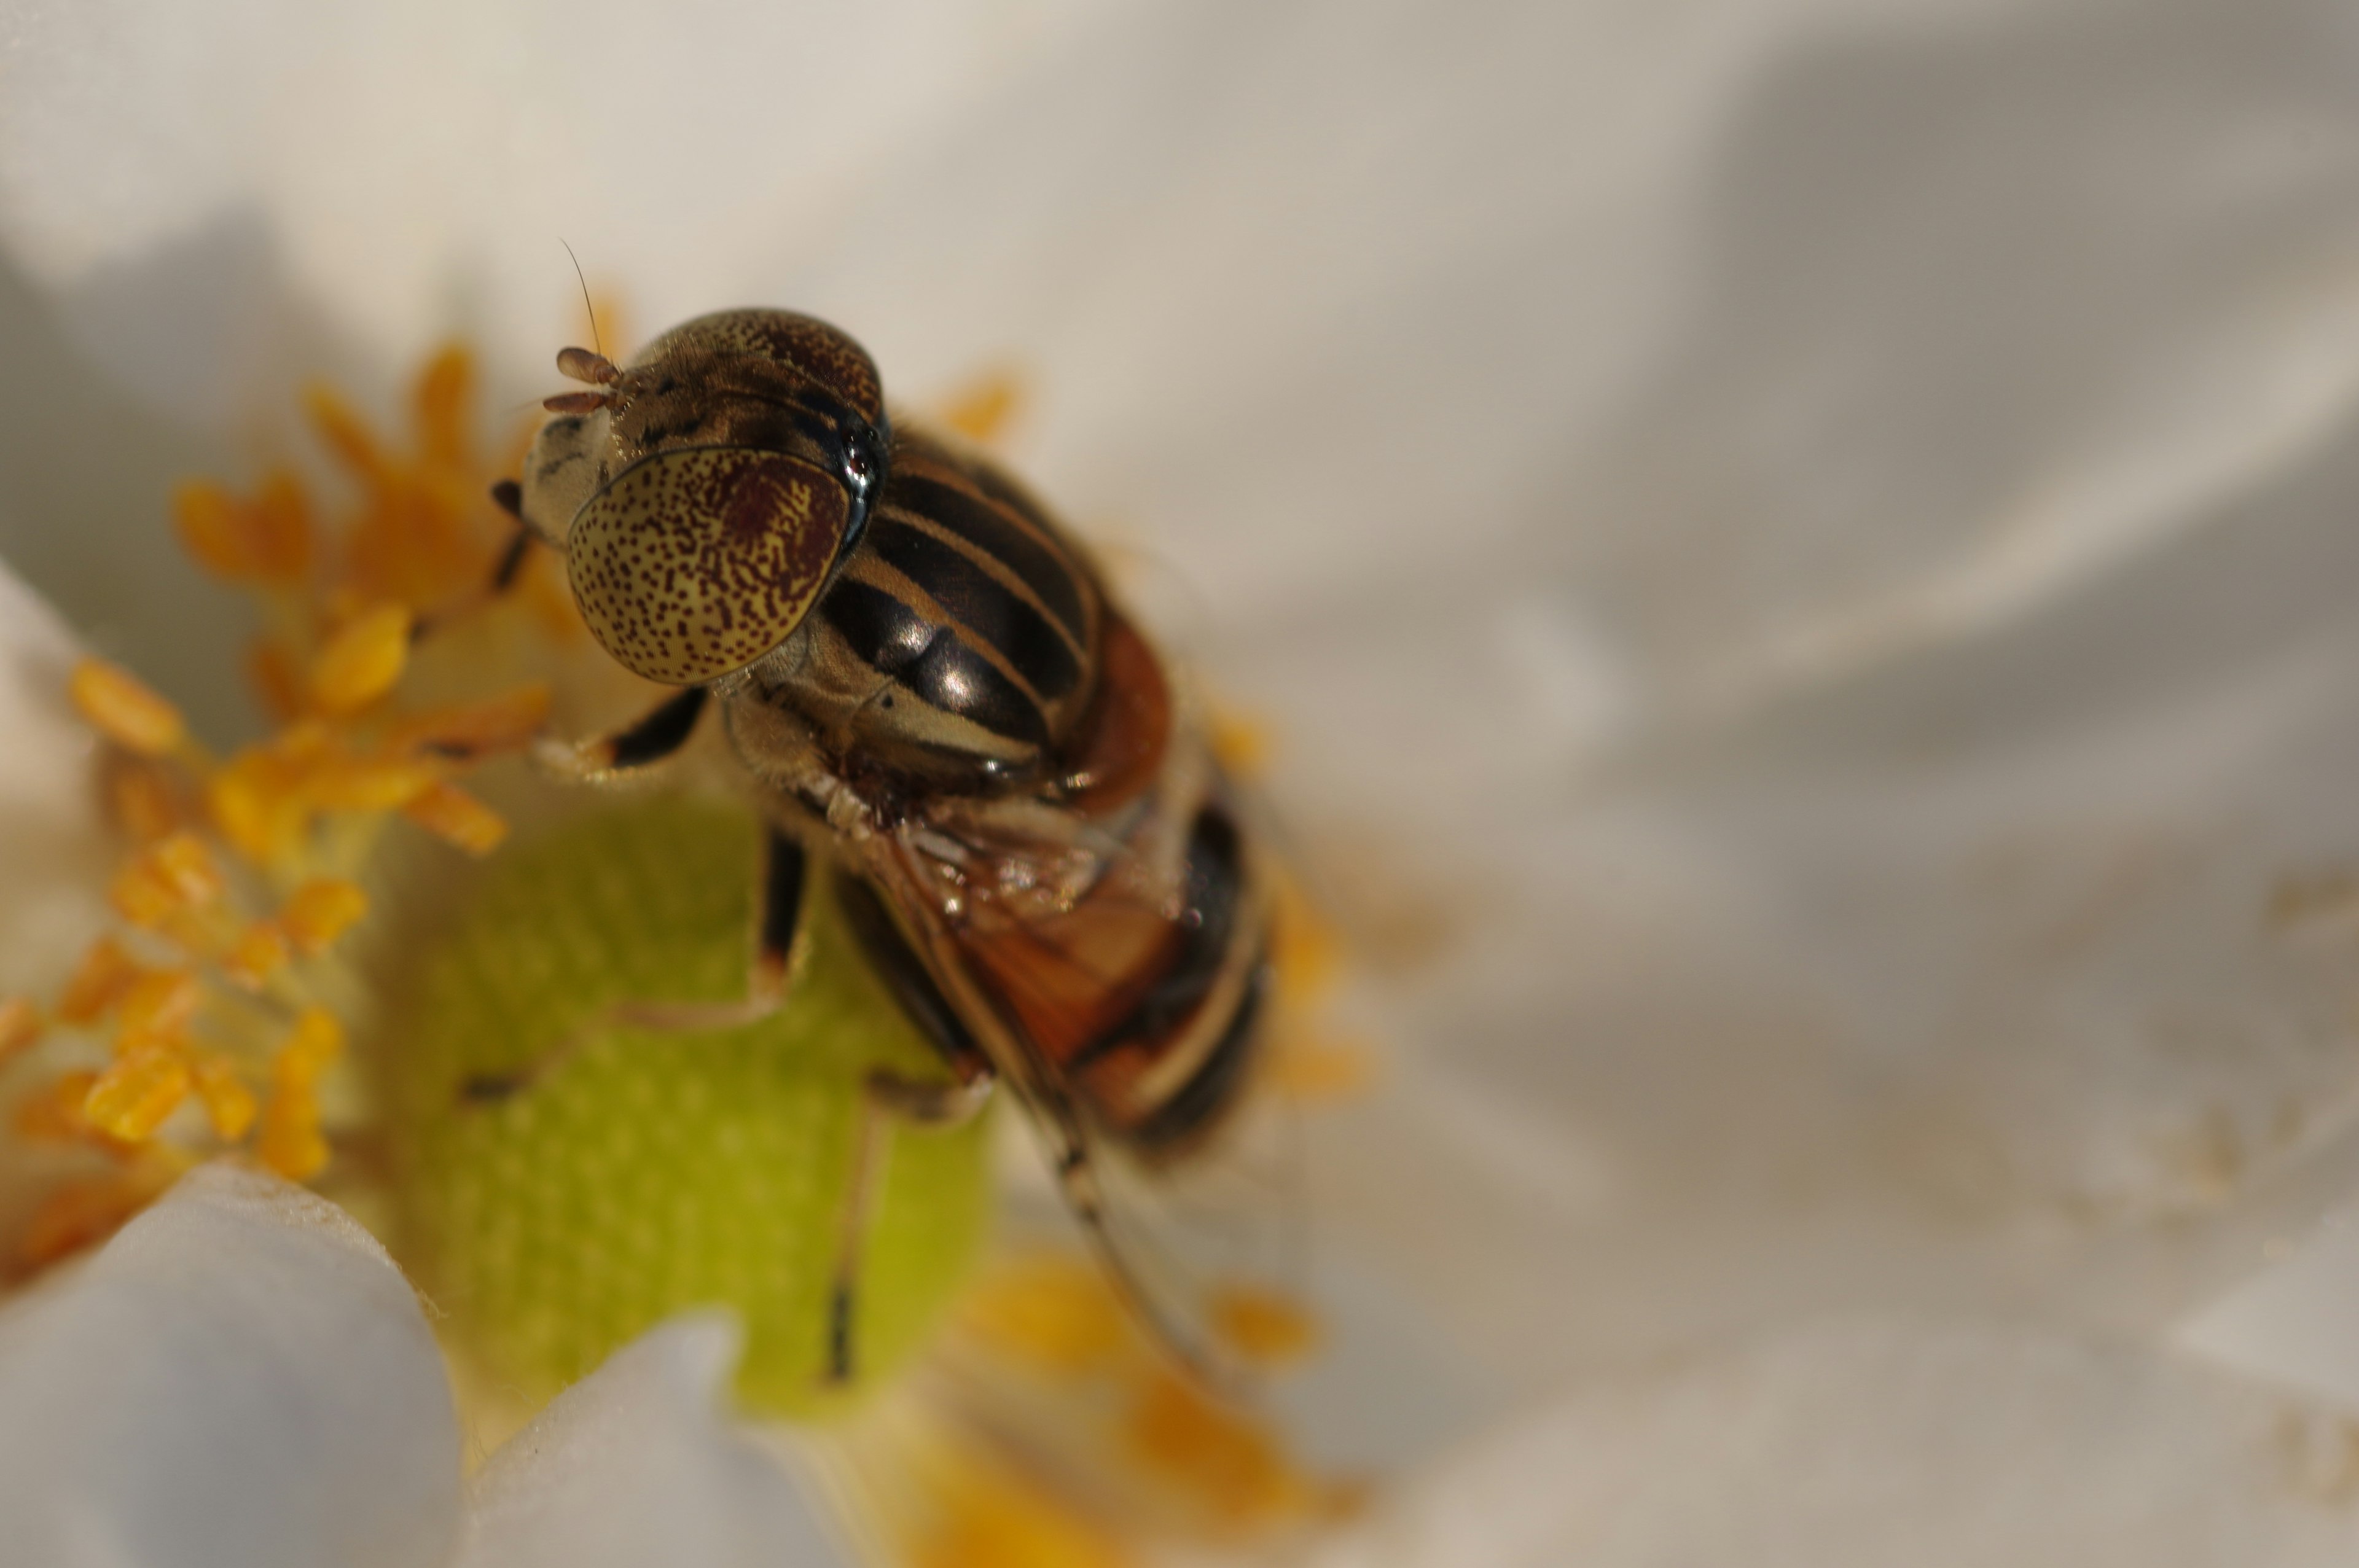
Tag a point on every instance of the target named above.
point(636, 1466)
point(240, 1379)
point(55, 853)
point(1877, 1442)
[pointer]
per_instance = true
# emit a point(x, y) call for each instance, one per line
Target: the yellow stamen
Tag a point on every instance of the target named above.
point(991, 1516)
point(362, 661)
point(1242, 744)
point(265, 541)
point(981, 410)
point(1314, 1071)
point(442, 403)
point(132, 1098)
point(53, 1115)
point(270, 669)
point(177, 873)
point(1305, 954)
point(20, 1026)
point(187, 867)
point(229, 1105)
point(291, 1142)
point(144, 803)
point(498, 724)
point(365, 783)
point(157, 1006)
point(344, 432)
point(84, 1213)
point(106, 971)
point(1232, 1466)
point(125, 710)
point(452, 815)
point(259, 952)
point(320, 911)
point(1051, 1309)
point(1264, 1327)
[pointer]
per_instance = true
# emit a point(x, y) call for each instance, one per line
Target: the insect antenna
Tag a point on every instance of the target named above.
point(589, 364)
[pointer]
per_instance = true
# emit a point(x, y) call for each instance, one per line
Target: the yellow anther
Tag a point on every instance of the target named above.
point(452, 815)
point(443, 401)
point(144, 803)
point(266, 540)
point(132, 1098)
point(316, 1041)
point(282, 523)
point(271, 670)
point(344, 432)
point(1055, 1311)
point(1232, 1464)
point(20, 1026)
point(259, 952)
point(363, 660)
point(498, 724)
point(1321, 1070)
point(253, 804)
point(157, 1006)
point(1242, 743)
point(82, 1214)
point(229, 1105)
point(1264, 1327)
point(987, 1515)
point(983, 408)
point(124, 709)
point(320, 911)
point(365, 783)
point(291, 1142)
point(53, 1115)
point(106, 971)
point(141, 895)
point(177, 873)
point(1305, 954)
point(186, 866)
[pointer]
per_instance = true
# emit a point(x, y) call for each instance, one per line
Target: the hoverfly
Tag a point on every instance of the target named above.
point(947, 716)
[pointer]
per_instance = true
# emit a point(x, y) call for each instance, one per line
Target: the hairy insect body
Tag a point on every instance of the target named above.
point(926, 677)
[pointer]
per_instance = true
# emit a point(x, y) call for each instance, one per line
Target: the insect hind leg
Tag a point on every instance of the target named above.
point(885, 1098)
point(778, 944)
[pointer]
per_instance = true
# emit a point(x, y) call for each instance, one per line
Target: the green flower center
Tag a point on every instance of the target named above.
point(643, 1172)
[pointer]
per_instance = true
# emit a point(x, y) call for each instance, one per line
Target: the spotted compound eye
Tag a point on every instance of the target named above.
point(697, 562)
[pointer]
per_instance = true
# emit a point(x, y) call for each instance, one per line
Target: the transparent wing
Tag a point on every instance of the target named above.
point(1115, 972)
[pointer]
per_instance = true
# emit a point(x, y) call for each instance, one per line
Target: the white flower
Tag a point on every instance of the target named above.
point(1797, 558)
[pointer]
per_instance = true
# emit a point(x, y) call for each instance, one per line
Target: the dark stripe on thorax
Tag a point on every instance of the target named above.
point(928, 657)
point(1003, 529)
point(989, 611)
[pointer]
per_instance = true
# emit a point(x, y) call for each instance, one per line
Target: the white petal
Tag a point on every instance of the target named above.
point(240, 1379)
point(637, 1467)
point(1874, 1443)
point(54, 850)
point(2296, 1321)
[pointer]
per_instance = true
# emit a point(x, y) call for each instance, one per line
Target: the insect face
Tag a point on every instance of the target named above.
point(703, 494)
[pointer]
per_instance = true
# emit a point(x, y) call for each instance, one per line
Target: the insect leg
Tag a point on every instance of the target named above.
point(653, 737)
point(778, 929)
point(505, 570)
point(885, 1098)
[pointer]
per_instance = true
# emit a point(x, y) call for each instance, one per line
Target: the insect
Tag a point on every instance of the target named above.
point(952, 728)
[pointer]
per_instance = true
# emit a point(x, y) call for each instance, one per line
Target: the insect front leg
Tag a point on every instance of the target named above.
point(885, 1098)
point(655, 736)
point(778, 944)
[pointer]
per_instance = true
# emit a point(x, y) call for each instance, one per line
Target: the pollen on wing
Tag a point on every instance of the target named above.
point(196, 1026)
